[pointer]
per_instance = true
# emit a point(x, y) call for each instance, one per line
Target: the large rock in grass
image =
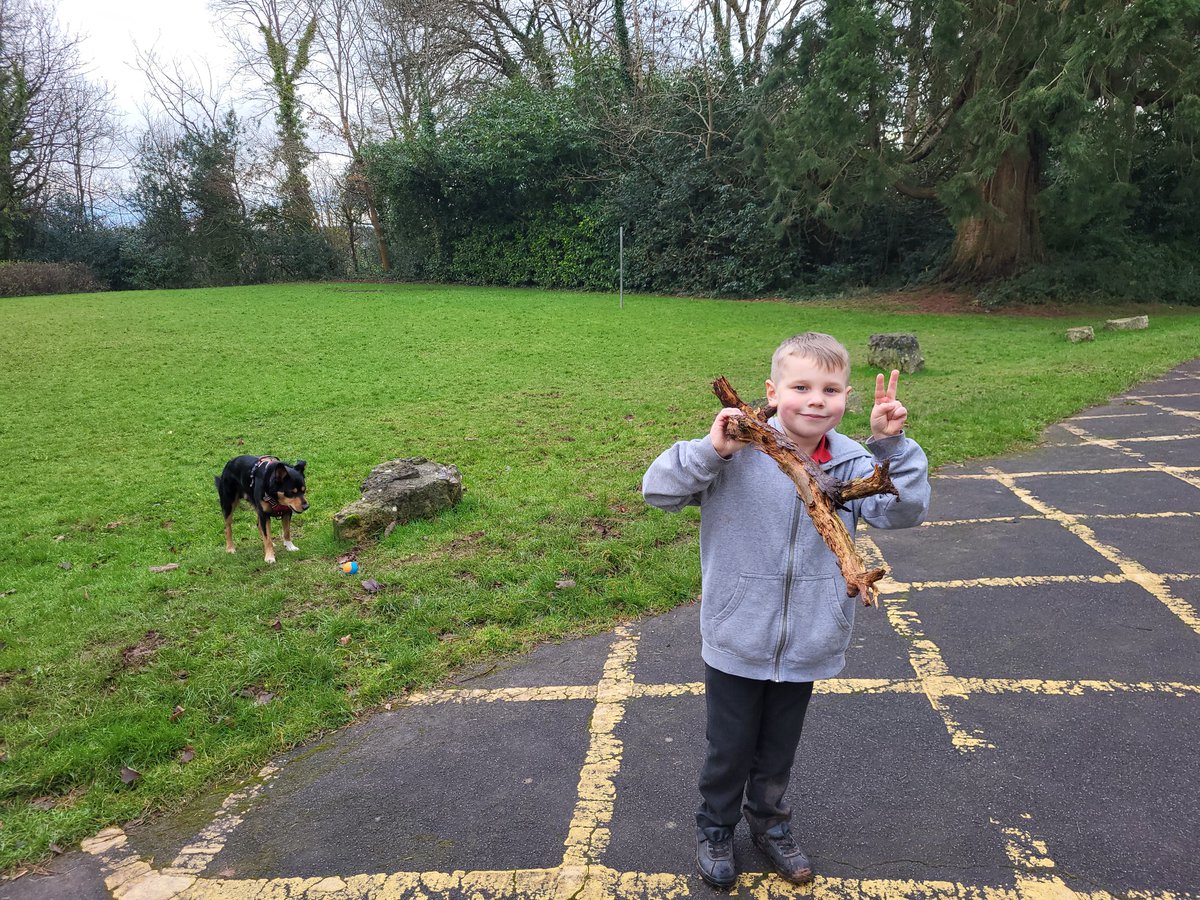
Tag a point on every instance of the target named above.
point(397, 492)
point(1133, 323)
point(895, 351)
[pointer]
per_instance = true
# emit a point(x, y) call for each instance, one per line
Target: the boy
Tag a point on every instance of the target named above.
point(774, 614)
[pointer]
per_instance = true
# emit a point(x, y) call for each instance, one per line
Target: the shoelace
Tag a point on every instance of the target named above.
point(786, 844)
point(720, 849)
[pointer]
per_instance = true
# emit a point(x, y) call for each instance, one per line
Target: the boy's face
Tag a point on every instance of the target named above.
point(810, 399)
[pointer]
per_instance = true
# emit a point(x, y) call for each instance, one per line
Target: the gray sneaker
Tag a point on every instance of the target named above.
point(784, 853)
point(714, 859)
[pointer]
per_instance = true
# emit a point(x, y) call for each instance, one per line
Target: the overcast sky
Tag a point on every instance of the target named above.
point(180, 29)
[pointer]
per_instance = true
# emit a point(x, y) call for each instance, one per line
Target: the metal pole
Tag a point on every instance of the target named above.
point(621, 257)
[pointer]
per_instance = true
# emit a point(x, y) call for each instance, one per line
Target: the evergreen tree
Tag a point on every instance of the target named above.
point(967, 104)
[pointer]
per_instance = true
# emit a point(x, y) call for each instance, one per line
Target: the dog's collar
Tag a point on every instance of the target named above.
point(277, 509)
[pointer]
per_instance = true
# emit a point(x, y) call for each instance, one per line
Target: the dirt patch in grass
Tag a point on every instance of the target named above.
point(137, 655)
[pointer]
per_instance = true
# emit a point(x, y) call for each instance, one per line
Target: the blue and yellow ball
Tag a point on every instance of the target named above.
point(350, 568)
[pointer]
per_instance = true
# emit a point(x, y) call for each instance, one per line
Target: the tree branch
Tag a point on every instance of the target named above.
point(821, 493)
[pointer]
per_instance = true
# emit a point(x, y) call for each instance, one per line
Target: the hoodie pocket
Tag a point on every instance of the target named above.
point(818, 626)
point(748, 625)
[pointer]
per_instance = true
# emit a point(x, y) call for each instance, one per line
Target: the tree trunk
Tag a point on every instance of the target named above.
point(1007, 237)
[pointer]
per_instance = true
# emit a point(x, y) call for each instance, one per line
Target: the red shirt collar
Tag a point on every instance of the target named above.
point(822, 454)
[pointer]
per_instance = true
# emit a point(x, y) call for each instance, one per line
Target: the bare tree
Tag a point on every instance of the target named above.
point(340, 52)
point(273, 39)
point(55, 125)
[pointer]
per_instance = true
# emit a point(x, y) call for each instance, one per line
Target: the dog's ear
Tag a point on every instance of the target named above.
point(300, 464)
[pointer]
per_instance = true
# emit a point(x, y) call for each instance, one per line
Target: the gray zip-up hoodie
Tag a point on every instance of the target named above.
point(774, 604)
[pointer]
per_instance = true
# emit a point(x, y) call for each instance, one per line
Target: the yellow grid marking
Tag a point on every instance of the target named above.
point(923, 654)
point(1175, 471)
point(1190, 413)
point(1010, 520)
point(1121, 470)
point(581, 873)
point(1157, 438)
point(1155, 585)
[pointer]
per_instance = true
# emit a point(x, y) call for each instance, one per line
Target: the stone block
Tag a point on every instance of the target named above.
point(399, 491)
point(1133, 323)
point(1083, 333)
point(895, 351)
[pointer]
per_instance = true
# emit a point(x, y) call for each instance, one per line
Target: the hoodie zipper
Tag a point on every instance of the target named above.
point(787, 585)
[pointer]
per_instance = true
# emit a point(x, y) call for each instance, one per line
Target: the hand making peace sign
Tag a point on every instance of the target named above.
point(888, 415)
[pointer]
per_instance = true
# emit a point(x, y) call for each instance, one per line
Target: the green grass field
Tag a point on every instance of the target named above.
point(119, 409)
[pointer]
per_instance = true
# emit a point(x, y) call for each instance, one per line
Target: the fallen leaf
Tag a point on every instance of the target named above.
point(43, 803)
point(391, 526)
point(66, 564)
point(371, 586)
point(129, 776)
point(276, 625)
point(187, 754)
point(344, 640)
point(113, 526)
point(181, 674)
point(57, 850)
point(60, 537)
point(176, 713)
point(167, 568)
point(257, 694)
point(565, 583)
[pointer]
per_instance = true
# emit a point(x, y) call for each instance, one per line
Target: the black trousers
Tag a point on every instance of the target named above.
point(753, 730)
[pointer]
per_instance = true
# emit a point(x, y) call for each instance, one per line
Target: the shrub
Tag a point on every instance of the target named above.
point(24, 279)
point(1122, 271)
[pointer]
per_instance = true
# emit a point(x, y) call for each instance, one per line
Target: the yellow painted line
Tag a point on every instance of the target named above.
point(1034, 870)
point(1120, 415)
point(828, 686)
point(504, 695)
point(923, 655)
point(1118, 470)
point(195, 857)
point(588, 833)
point(1180, 472)
point(1153, 584)
point(1009, 520)
point(1072, 688)
point(889, 587)
point(958, 686)
point(990, 520)
point(1159, 438)
point(1033, 866)
point(1190, 413)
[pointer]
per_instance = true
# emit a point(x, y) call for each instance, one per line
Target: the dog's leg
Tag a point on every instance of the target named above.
point(287, 531)
point(229, 548)
point(264, 525)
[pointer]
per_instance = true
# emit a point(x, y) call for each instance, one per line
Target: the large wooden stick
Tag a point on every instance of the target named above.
point(821, 493)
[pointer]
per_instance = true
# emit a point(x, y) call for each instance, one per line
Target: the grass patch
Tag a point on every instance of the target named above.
point(120, 409)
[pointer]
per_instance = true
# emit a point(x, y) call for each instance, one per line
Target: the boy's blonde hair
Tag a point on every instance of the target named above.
point(826, 350)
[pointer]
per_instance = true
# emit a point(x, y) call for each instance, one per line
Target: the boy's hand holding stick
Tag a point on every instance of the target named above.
point(821, 493)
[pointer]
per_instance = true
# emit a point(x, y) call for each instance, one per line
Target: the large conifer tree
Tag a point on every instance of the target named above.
point(966, 103)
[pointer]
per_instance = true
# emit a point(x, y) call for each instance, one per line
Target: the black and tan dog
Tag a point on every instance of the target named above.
point(272, 487)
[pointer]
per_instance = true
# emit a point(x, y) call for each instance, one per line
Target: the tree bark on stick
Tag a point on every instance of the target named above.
point(821, 493)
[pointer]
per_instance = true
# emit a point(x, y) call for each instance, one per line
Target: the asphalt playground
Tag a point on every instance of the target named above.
point(1019, 719)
